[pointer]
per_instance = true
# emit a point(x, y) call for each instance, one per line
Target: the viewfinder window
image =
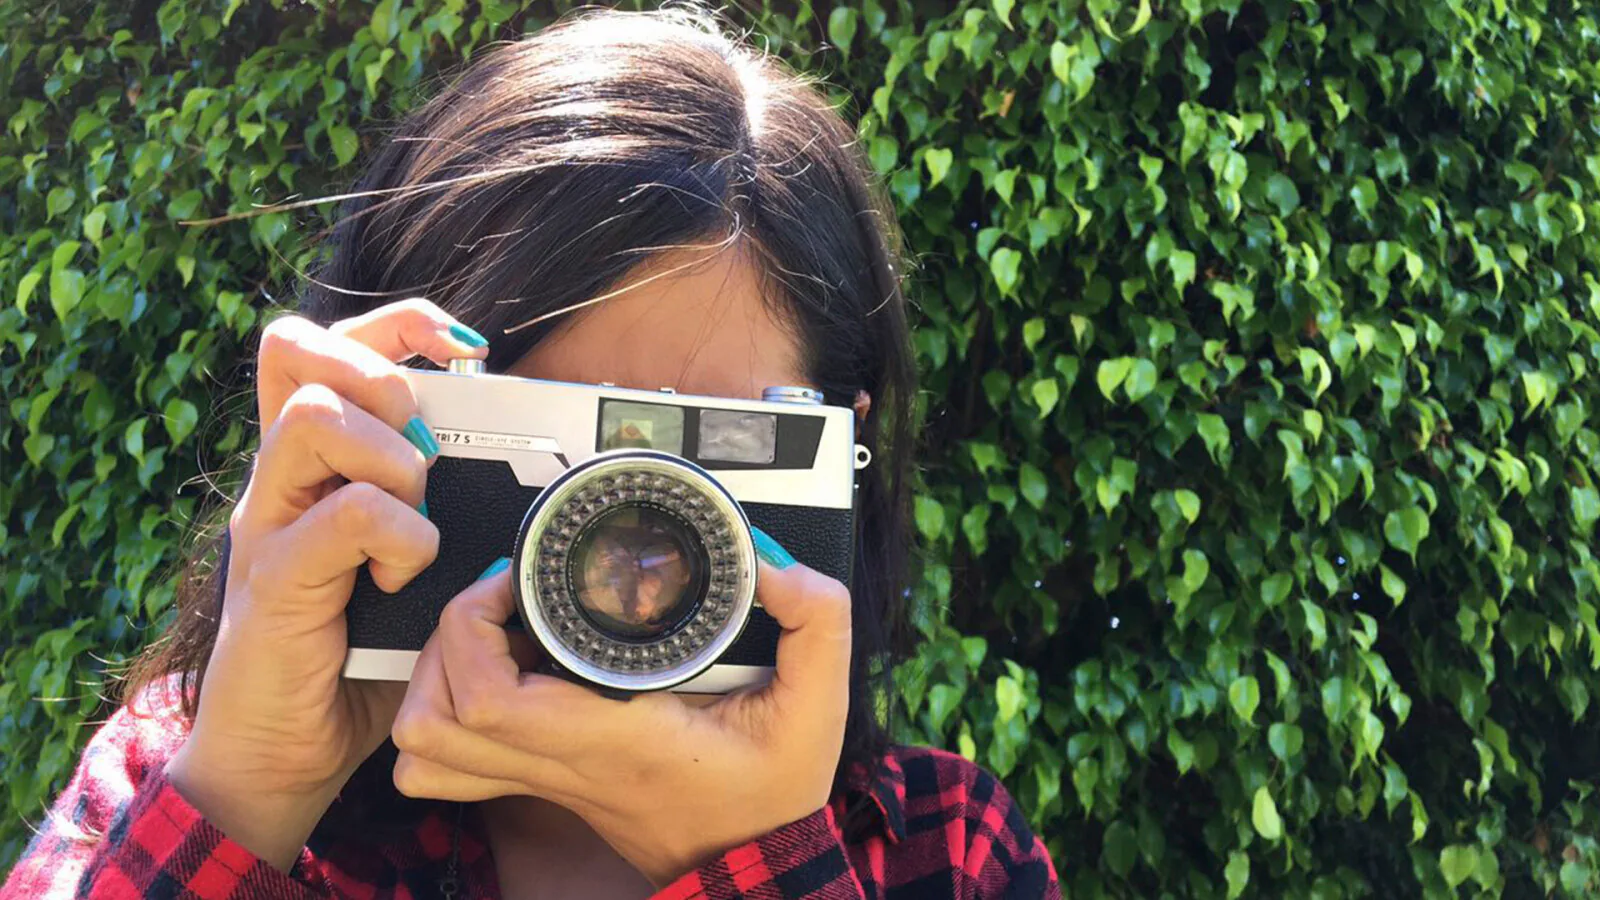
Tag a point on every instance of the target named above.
point(728, 435)
point(644, 426)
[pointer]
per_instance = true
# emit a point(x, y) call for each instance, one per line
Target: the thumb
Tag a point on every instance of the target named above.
point(814, 650)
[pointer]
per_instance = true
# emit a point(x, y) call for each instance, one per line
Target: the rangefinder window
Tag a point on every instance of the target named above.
point(641, 426)
point(728, 435)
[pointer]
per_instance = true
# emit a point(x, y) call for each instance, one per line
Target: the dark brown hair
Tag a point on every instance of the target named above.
point(555, 165)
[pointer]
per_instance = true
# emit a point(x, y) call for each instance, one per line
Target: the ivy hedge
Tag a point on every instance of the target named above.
point(1259, 479)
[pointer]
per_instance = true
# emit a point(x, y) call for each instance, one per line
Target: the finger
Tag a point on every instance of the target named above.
point(426, 779)
point(813, 665)
point(490, 693)
point(476, 650)
point(295, 352)
point(426, 728)
point(313, 559)
point(319, 436)
point(414, 327)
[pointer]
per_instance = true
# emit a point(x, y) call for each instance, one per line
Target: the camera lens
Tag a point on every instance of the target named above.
point(637, 572)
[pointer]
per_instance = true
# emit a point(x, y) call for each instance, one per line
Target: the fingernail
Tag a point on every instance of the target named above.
point(423, 508)
point(421, 437)
point(467, 336)
point(770, 550)
point(496, 567)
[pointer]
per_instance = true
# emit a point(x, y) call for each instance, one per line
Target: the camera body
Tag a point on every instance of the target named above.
point(627, 515)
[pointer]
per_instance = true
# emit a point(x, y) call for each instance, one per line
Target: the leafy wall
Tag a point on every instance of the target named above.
point(1257, 335)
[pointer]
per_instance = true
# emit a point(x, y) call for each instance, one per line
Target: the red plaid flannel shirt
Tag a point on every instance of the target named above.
point(938, 827)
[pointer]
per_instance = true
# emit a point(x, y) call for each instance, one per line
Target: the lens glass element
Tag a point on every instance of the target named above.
point(637, 572)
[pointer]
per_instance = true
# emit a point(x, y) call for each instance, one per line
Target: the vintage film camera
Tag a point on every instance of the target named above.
point(627, 517)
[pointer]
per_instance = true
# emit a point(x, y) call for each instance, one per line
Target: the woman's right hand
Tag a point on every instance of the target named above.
point(337, 484)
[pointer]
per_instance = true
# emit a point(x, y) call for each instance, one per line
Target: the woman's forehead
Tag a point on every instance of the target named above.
point(688, 320)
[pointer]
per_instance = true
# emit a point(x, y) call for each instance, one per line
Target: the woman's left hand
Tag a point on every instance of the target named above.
point(669, 785)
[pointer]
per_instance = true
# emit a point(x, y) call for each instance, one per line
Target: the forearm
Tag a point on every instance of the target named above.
point(273, 826)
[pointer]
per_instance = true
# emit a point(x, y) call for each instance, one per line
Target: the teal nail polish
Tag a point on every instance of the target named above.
point(496, 567)
point(421, 437)
point(423, 508)
point(467, 336)
point(770, 550)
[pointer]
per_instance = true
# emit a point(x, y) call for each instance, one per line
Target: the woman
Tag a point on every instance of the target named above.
point(624, 198)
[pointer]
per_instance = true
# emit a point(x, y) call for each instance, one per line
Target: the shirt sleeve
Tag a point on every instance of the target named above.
point(804, 859)
point(1000, 856)
point(121, 830)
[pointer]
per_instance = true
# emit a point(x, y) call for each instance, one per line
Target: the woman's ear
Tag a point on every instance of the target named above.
point(862, 406)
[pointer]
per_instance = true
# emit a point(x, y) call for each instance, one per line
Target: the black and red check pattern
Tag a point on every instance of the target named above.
point(938, 827)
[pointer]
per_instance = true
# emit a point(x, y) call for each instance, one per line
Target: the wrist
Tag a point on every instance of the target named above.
point(271, 822)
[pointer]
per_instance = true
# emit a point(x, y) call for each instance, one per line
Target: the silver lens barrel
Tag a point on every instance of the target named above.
point(677, 533)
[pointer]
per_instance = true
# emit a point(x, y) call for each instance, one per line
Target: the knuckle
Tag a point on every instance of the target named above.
point(480, 711)
point(420, 307)
point(415, 733)
point(312, 407)
point(832, 598)
point(408, 776)
point(279, 338)
point(394, 386)
point(359, 506)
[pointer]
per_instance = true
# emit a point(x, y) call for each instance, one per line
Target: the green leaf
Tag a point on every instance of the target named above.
point(1283, 194)
point(938, 160)
point(1196, 569)
point(1032, 332)
point(1005, 263)
point(94, 223)
point(1286, 740)
point(842, 27)
point(185, 205)
point(1316, 624)
point(1182, 751)
point(1393, 584)
point(1045, 394)
point(1214, 431)
point(1275, 588)
point(345, 143)
point(1141, 18)
point(1237, 873)
point(66, 291)
point(38, 446)
point(883, 152)
point(1141, 380)
point(1111, 373)
point(1364, 193)
point(1188, 504)
point(133, 439)
point(25, 288)
point(929, 514)
point(1121, 848)
point(1244, 695)
point(1031, 483)
point(180, 419)
point(1264, 815)
point(1457, 862)
point(1182, 263)
point(1538, 388)
point(1406, 529)
point(1002, 10)
point(1009, 698)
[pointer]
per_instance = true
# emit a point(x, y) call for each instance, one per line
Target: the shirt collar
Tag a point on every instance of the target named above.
point(885, 786)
